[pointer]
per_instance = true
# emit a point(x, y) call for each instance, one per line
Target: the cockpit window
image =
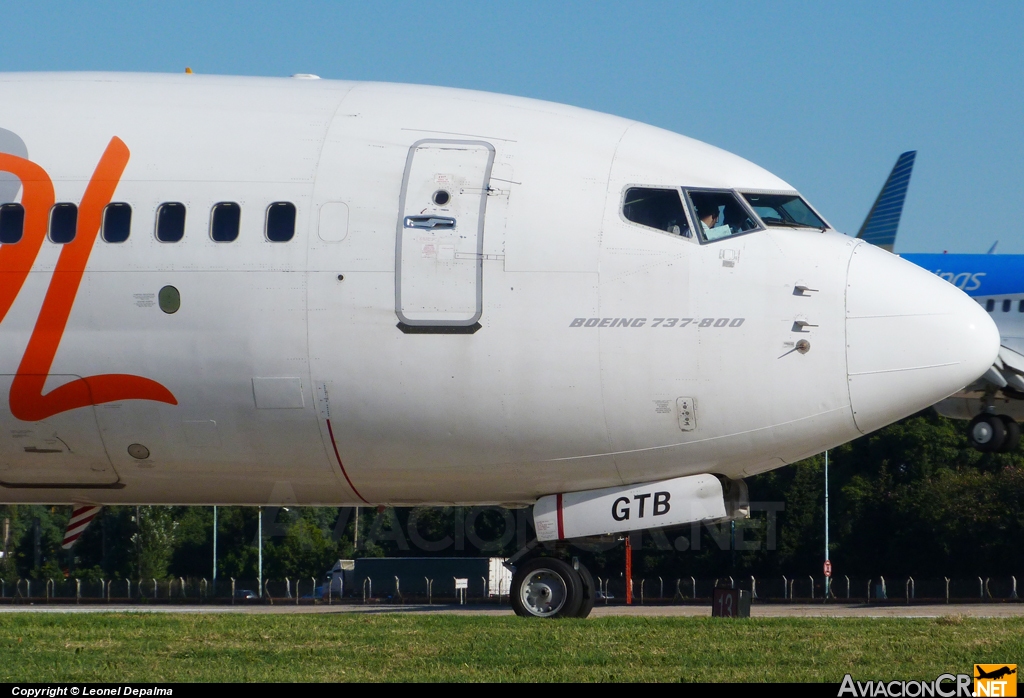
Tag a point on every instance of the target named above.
point(785, 211)
point(656, 208)
point(720, 214)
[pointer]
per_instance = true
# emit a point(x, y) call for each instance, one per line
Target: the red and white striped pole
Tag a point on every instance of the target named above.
point(81, 516)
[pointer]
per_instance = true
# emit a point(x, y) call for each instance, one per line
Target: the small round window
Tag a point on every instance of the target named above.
point(441, 197)
point(138, 451)
point(169, 299)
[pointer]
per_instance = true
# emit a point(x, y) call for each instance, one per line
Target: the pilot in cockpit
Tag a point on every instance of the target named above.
point(709, 216)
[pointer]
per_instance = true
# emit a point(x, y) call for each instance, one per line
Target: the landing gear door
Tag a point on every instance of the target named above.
point(439, 251)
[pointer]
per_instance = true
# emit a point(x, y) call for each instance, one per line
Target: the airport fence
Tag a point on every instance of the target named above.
point(420, 590)
point(808, 588)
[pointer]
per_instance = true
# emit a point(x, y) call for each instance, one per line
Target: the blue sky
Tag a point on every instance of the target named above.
point(826, 95)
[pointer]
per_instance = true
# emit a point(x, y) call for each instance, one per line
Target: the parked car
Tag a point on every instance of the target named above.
point(320, 593)
point(246, 595)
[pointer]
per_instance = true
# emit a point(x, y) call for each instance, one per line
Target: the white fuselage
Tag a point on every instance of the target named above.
point(292, 380)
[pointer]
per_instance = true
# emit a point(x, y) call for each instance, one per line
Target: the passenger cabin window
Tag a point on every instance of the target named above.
point(63, 223)
point(990, 304)
point(720, 214)
point(117, 222)
point(280, 221)
point(784, 211)
point(661, 209)
point(1020, 305)
point(1006, 305)
point(170, 222)
point(225, 221)
point(12, 223)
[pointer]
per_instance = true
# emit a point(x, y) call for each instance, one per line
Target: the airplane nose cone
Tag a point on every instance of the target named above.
point(912, 338)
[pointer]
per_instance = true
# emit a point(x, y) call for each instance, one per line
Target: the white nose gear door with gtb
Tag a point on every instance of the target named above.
point(439, 251)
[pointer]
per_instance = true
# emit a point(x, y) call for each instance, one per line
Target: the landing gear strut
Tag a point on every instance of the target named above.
point(993, 433)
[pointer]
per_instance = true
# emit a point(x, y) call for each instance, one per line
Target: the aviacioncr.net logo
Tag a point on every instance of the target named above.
point(944, 686)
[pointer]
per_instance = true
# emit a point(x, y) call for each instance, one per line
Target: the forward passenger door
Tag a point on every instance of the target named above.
point(439, 250)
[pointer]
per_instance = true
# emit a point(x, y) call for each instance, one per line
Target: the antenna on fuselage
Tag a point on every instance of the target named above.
point(883, 219)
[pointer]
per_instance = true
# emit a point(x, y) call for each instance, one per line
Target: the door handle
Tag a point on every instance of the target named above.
point(430, 222)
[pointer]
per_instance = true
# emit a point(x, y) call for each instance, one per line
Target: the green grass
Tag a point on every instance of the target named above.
point(393, 647)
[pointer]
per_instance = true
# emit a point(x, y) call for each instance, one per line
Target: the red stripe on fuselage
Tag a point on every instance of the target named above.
point(338, 456)
point(561, 527)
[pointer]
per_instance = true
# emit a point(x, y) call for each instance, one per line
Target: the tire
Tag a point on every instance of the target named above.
point(986, 432)
point(546, 587)
point(589, 593)
point(1012, 434)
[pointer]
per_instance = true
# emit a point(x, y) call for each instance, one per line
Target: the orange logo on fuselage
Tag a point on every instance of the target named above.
point(27, 400)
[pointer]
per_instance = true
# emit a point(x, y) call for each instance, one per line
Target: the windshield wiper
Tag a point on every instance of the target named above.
point(779, 223)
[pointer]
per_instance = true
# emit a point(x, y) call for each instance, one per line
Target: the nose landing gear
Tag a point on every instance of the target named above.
point(993, 433)
point(546, 587)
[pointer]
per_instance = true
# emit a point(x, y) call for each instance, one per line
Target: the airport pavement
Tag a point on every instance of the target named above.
point(821, 610)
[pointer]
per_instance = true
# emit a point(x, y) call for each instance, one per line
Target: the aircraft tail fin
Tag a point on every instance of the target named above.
point(883, 219)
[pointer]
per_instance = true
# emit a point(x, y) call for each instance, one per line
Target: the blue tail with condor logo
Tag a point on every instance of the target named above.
point(883, 219)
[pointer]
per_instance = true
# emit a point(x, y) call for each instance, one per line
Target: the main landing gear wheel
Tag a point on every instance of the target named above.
point(589, 595)
point(987, 432)
point(1012, 433)
point(547, 587)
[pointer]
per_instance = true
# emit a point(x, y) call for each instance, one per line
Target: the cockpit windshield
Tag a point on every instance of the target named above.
point(656, 208)
point(720, 214)
point(784, 211)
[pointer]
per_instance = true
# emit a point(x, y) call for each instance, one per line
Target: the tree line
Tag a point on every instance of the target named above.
point(911, 498)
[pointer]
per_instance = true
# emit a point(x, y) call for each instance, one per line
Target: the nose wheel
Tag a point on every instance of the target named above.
point(547, 587)
point(993, 433)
